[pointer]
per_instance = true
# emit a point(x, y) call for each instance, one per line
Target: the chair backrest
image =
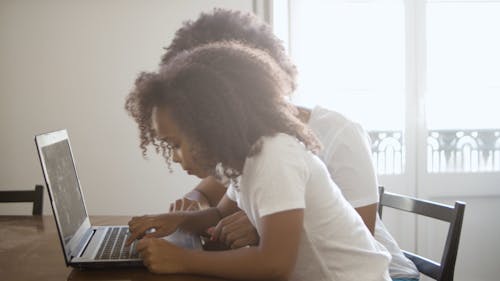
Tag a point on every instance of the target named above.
point(443, 270)
point(35, 196)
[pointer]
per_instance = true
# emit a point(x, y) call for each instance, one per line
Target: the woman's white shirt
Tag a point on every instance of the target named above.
point(347, 155)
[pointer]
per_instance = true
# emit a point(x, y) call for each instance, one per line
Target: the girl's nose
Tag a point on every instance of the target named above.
point(177, 157)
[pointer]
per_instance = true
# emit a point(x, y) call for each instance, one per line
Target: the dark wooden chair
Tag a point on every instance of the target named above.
point(445, 268)
point(35, 196)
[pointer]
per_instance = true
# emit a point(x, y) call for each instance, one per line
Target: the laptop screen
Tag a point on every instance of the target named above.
point(64, 185)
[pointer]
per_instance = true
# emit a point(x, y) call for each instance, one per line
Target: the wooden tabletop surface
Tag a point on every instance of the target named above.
point(30, 250)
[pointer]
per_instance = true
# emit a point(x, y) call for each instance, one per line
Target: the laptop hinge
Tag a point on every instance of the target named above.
point(84, 242)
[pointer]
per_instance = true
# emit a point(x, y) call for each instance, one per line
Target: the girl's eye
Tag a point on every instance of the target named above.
point(172, 145)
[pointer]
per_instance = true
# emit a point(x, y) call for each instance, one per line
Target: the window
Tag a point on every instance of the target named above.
point(463, 86)
point(364, 58)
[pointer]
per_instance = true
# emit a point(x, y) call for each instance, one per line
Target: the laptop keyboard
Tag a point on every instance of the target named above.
point(113, 245)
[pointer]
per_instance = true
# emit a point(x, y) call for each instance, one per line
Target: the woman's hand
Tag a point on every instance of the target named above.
point(185, 204)
point(235, 231)
point(161, 256)
point(163, 225)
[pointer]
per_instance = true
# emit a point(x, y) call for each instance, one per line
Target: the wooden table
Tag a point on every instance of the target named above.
point(30, 250)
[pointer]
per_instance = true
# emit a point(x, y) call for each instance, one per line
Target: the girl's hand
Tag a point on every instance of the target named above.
point(163, 225)
point(161, 256)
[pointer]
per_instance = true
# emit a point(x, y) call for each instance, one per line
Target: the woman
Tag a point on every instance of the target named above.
point(345, 152)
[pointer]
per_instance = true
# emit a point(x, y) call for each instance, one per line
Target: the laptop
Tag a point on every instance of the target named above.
point(85, 245)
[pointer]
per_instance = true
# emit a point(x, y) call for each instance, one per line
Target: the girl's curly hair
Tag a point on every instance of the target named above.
point(224, 96)
point(230, 25)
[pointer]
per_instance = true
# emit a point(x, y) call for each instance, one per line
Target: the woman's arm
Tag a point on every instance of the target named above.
point(206, 194)
point(208, 191)
point(368, 214)
point(349, 161)
point(273, 259)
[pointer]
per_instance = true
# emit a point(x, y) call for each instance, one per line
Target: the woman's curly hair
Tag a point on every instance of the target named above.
point(230, 25)
point(224, 96)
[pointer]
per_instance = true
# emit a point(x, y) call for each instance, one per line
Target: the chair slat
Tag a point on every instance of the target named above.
point(418, 206)
point(17, 196)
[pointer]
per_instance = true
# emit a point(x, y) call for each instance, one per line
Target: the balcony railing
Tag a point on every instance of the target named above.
point(448, 151)
point(388, 151)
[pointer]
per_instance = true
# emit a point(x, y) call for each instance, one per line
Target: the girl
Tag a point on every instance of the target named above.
point(345, 152)
point(218, 110)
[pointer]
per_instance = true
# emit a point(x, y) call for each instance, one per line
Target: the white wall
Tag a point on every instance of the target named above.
point(70, 64)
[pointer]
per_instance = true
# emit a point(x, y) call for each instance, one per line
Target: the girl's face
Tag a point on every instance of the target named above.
point(182, 148)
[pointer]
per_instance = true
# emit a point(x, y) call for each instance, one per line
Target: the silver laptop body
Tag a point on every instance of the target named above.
point(84, 245)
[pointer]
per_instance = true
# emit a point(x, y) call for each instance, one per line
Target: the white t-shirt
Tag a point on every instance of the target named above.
point(335, 244)
point(347, 155)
